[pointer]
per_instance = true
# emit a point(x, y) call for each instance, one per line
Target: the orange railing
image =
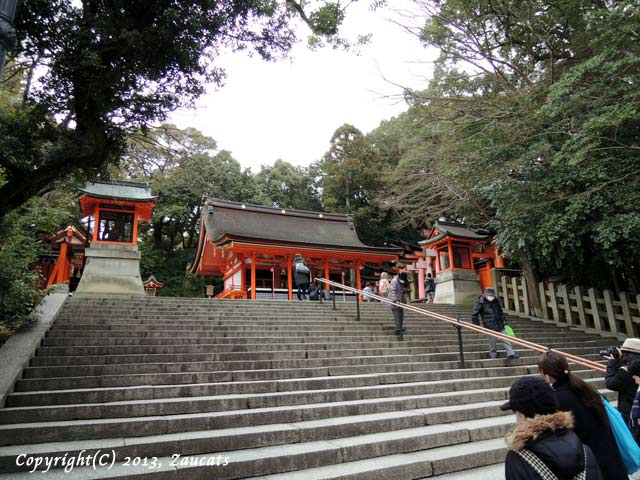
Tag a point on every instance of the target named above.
point(470, 326)
point(233, 293)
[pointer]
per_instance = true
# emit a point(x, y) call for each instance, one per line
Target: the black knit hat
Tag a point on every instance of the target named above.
point(531, 396)
point(402, 276)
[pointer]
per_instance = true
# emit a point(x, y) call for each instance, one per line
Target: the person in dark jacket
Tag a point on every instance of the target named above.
point(314, 293)
point(592, 426)
point(545, 433)
point(430, 288)
point(617, 377)
point(634, 371)
point(301, 276)
point(488, 308)
point(396, 294)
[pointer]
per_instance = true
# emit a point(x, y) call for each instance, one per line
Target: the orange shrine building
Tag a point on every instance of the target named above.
point(112, 261)
point(252, 248)
point(64, 259)
point(460, 259)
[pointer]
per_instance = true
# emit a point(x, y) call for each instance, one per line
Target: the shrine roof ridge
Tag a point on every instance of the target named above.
point(454, 230)
point(341, 217)
point(119, 189)
point(224, 221)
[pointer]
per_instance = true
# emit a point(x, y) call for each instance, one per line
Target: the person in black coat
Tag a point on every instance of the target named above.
point(618, 379)
point(592, 426)
point(301, 276)
point(487, 307)
point(545, 432)
point(634, 370)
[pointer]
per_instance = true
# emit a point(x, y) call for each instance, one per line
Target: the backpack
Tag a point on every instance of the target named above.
point(541, 468)
point(301, 268)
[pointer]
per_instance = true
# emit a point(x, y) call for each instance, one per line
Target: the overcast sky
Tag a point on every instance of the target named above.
point(289, 109)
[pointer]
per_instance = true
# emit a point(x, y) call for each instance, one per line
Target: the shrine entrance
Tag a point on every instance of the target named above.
point(253, 247)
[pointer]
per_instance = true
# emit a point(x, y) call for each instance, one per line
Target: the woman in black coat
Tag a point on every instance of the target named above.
point(546, 433)
point(592, 426)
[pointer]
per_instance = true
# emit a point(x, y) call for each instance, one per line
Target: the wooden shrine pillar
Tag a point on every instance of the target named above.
point(327, 273)
point(243, 273)
point(61, 271)
point(253, 276)
point(290, 278)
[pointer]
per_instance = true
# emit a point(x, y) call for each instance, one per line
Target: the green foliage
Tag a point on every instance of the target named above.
point(171, 270)
point(354, 176)
point(23, 233)
point(286, 186)
point(530, 126)
point(108, 68)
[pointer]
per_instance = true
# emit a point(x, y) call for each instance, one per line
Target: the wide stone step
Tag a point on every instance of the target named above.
point(262, 393)
point(346, 365)
point(399, 374)
point(317, 408)
point(417, 352)
point(206, 346)
point(350, 412)
point(407, 466)
point(399, 457)
point(215, 338)
point(356, 438)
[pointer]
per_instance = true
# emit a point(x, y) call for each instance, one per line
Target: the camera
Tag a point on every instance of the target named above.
point(613, 351)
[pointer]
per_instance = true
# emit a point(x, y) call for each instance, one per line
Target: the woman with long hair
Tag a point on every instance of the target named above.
point(591, 422)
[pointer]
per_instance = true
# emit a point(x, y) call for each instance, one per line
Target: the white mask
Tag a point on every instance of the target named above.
point(490, 298)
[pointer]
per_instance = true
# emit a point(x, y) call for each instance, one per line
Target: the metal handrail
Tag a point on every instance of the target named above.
point(476, 328)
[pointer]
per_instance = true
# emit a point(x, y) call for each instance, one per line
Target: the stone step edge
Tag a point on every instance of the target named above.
point(260, 430)
point(238, 441)
point(427, 412)
point(290, 458)
point(268, 364)
point(286, 382)
point(324, 372)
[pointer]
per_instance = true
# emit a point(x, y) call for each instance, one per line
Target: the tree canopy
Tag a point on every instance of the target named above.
point(530, 126)
point(95, 70)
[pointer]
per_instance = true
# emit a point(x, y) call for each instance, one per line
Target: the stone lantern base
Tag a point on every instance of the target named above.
point(459, 287)
point(111, 270)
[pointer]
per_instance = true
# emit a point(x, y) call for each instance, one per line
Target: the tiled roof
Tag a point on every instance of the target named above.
point(122, 190)
point(251, 222)
point(453, 230)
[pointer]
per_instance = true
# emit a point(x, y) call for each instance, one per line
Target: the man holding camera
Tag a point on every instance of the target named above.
point(618, 378)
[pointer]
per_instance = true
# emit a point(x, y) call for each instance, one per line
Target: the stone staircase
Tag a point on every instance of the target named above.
point(215, 389)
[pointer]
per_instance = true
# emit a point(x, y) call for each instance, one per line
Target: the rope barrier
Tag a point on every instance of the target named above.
point(470, 326)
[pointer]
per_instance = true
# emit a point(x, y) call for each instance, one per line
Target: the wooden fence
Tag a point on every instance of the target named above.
point(588, 309)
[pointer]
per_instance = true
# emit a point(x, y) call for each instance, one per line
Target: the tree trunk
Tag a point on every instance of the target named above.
point(157, 233)
point(532, 278)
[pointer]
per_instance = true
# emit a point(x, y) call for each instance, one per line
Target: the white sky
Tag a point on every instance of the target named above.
point(289, 109)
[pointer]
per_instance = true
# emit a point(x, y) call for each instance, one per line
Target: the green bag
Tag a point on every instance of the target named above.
point(509, 331)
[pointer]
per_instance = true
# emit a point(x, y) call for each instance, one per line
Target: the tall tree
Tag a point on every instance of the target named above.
point(519, 131)
point(115, 66)
point(287, 186)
